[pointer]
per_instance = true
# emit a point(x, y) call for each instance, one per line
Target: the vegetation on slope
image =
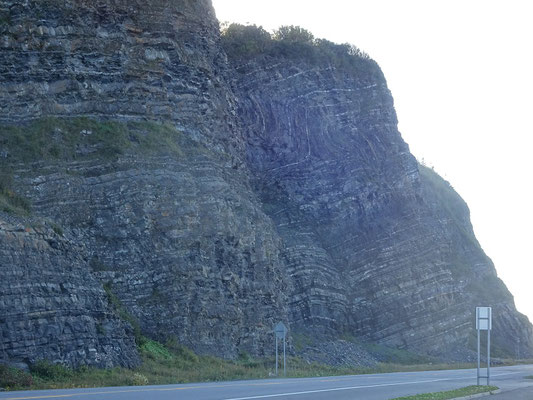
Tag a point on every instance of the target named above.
point(55, 140)
point(10, 201)
point(173, 363)
point(243, 42)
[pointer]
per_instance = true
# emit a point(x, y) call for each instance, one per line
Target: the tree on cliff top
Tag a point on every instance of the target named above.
point(294, 34)
point(243, 42)
point(245, 39)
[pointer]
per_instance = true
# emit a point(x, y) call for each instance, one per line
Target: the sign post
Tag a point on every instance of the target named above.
point(483, 323)
point(277, 356)
point(280, 331)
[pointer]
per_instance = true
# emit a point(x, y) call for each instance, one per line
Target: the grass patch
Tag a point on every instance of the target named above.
point(54, 139)
point(45, 370)
point(10, 201)
point(12, 378)
point(123, 314)
point(58, 140)
point(529, 377)
point(450, 394)
point(171, 363)
point(155, 350)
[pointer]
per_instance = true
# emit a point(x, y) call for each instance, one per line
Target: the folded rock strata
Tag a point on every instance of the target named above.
point(265, 189)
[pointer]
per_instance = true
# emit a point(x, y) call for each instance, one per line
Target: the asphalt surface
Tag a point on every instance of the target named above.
point(517, 394)
point(352, 387)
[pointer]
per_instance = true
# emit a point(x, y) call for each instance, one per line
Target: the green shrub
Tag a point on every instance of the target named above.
point(139, 379)
point(10, 201)
point(185, 366)
point(248, 40)
point(243, 42)
point(155, 350)
point(244, 356)
point(181, 351)
point(294, 34)
point(123, 314)
point(48, 371)
point(12, 378)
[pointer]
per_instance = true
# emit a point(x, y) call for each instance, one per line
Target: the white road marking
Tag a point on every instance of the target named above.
point(148, 389)
point(265, 396)
point(334, 389)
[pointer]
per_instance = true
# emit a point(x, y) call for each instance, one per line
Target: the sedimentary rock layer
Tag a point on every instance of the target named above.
point(378, 246)
point(52, 307)
point(175, 233)
point(275, 187)
point(118, 58)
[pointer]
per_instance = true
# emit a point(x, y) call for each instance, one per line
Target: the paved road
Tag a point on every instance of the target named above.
point(354, 387)
point(517, 394)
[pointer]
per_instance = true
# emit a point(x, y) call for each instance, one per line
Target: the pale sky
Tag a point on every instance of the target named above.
point(461, 74)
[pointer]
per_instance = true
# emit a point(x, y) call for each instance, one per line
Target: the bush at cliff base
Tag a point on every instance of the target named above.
point(11, 378)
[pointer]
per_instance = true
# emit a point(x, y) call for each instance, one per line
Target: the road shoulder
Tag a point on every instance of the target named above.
point(515, 394)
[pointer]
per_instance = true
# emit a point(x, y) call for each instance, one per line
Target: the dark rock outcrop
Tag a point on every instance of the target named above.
point(125, 59)
point(52, 308)
point(173, 228)
point(378, 246)
point(270, 188)
point(183, 242)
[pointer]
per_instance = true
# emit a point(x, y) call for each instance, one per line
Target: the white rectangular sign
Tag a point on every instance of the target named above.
point(484, 318)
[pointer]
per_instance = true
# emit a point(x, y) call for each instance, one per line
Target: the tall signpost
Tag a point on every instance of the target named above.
point(280, 331)
point(483, 323)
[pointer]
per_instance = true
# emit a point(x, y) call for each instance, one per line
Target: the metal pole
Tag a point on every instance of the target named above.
point(276, 355)
point(478, 356)
point(284, 369)
point(488, 357)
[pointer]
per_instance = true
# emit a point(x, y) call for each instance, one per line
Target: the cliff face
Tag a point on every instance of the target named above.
point(165, 212)
point(52, 307)
point(377, 246)
point(118, 58)
point(269, 188)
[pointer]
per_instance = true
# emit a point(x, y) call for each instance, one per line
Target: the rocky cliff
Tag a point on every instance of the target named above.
point(149, 185)
point(117, 58)
point(165, 212)
point(51, 306)
point(377, 245)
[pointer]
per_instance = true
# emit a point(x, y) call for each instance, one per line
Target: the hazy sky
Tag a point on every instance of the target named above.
point(461, 73)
